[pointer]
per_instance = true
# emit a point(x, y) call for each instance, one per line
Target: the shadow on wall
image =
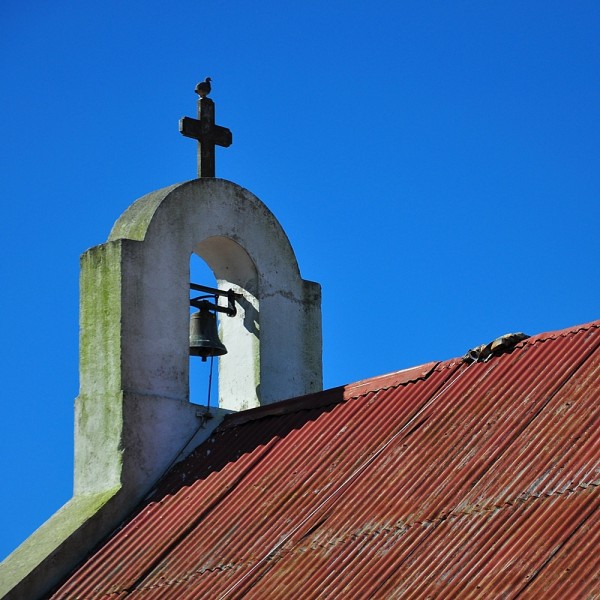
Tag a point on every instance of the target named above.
point(250, 316)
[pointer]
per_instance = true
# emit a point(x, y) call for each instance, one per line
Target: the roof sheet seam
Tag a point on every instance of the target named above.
point(180, 580)
point(448, 364)
point(450, 516)
point(396, 566)
point(556, 549)
point(519, 500)
point(382, 388)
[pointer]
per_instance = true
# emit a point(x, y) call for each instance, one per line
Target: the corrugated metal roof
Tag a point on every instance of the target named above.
point(447, 480)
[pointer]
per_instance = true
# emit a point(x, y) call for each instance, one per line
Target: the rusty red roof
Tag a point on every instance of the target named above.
point(447, 480)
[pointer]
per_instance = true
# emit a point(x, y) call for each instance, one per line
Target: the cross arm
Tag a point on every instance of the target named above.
point(192, 128)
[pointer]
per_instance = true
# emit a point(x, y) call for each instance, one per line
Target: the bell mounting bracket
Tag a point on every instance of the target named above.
point(201, 302)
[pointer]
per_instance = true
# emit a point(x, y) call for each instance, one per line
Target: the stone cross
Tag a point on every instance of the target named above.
point(208, 135)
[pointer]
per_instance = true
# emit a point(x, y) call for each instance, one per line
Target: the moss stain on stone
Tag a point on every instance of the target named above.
point(99, 405)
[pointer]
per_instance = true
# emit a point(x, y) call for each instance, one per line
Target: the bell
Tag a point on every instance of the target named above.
point(204, 337)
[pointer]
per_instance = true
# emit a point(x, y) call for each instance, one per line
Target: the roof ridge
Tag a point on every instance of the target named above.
point(331, 396)
point(553, 335)
point(389, 380)
point(352, 391)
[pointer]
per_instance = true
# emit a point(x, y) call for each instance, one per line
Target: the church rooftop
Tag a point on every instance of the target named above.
point(448, 479)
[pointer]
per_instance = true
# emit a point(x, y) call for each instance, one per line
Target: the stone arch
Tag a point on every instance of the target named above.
point(277, 353)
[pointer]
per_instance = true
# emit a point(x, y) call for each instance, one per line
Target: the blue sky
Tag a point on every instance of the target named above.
point(435, 165)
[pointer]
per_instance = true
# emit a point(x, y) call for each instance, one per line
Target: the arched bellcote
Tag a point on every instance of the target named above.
point(275, 341)
point(135, 319)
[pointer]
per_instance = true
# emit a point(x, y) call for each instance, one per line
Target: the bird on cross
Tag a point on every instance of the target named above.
point(205, 131)
point(203, 88)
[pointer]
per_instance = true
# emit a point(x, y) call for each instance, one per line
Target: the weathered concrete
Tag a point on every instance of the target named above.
point(275, 345)
point(133, 416)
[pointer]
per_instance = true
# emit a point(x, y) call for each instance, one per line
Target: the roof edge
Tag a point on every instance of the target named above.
point(552, 335)
point(329, 397)
point(349, 391)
